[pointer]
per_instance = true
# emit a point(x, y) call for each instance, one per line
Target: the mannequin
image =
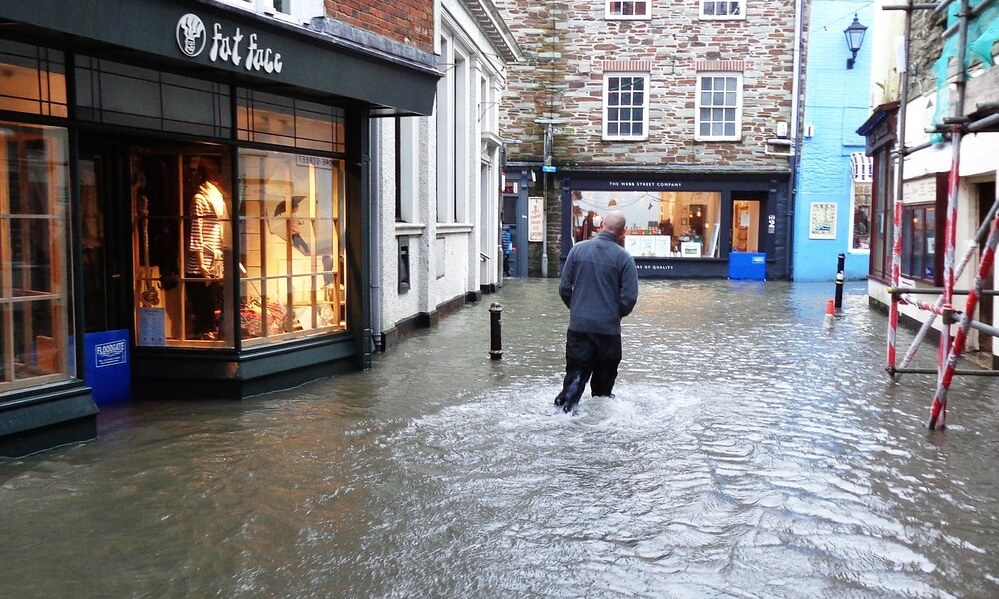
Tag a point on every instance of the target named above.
point(205, 264)
point(289, 252)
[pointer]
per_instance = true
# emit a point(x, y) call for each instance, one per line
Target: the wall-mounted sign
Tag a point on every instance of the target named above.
point(111, 353)
point(822, 220)
point(535, 219)
point(226, 45)
point(645, 184)
point(920, 191)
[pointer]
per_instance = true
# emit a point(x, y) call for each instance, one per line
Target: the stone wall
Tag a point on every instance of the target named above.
point(570, 45)
point(925, 44)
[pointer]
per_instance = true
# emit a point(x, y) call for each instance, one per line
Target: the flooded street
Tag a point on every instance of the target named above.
point(750, 452)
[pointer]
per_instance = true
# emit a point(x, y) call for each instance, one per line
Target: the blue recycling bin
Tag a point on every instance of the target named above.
point(751, 266)
point(108, 368)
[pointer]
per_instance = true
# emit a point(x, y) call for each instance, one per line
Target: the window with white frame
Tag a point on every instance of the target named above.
point(723, 9)
point(861, 171)
point(628, 9)
point(295, 11)
point(408, 177)
point(626, 106)
point(719, 107)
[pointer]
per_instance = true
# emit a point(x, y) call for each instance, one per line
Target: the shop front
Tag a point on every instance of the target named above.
point(685, 226)
point(191, 181)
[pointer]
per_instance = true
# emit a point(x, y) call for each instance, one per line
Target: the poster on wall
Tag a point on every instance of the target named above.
point(822, 220)
point(535, 219)
point(152, 326)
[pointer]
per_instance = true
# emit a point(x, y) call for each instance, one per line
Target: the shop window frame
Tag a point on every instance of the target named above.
point(281, 121)
point(41, 72)
point(331, 294)
point(861, 202)
point(97, 102)
point(47, 358)
point(919, 243)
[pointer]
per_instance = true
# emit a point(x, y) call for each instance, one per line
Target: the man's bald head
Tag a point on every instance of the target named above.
point(614, 223)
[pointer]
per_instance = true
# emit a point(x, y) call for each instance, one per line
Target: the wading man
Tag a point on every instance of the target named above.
point(599, 285)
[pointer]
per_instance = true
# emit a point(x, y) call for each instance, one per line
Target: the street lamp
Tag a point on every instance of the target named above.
point(854, 39)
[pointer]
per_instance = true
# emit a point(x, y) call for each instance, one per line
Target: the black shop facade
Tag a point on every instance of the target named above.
point(686, 226)
point(184, 206)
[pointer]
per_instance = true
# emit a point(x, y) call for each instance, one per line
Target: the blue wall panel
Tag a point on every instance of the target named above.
point(836, 104)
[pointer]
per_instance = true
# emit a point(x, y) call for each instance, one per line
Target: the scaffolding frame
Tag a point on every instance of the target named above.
point(952, 345)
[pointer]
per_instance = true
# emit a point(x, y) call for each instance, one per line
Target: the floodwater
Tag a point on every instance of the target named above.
point(751, 451)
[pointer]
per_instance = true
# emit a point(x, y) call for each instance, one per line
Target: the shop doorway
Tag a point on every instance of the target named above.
point(517, 261)
point(745, 225)
point(105, 273)
point(986, 197)
point(105, 270)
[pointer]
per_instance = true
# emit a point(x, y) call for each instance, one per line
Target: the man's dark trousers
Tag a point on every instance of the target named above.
point(588, 355)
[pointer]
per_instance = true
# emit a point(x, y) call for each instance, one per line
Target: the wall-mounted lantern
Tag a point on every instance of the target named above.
point(854, 39)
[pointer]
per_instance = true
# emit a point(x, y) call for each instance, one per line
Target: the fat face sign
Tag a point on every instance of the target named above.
point(226, 45)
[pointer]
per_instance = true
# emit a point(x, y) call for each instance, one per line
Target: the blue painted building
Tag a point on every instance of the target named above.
point(833, 199)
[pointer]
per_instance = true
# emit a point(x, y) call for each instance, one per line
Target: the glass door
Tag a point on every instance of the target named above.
point(745, 226)
point(104, 267)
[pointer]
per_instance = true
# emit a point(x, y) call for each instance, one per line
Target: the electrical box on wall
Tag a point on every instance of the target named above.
point(782, 129)
point(778, 147)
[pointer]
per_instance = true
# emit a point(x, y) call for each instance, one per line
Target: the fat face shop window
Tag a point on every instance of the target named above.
point(35, 322)
point(287, 213)
point(659, 223)
point(292, 262)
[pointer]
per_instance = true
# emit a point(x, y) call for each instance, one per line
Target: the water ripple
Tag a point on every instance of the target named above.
point(751, 452)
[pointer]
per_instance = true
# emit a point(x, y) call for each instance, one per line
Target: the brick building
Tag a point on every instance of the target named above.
point(680, 114)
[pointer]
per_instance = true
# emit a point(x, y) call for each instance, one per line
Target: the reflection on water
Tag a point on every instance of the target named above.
point(751, 452)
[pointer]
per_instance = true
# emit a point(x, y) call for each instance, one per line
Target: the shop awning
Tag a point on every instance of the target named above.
point(388, 76)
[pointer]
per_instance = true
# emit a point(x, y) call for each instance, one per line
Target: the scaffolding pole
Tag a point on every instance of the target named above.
point(896, 251)
point(951, 346)
point(938, 412)
point(969, 253)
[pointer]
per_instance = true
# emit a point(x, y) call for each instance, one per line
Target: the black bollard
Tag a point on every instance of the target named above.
point(495, 336)
point(840, 277)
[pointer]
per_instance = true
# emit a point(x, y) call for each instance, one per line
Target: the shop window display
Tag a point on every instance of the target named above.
point(861, 216)
point(292, 261)
point(660, 224)
point(919, 242)
point(35, 323)
point(181, 245)
point(290, 268)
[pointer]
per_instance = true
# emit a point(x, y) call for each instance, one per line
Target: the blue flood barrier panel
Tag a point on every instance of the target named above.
point(747, 266)
point(108, 368)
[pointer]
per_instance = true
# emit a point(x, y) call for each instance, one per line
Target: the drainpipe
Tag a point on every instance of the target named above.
point(799, 18)
point(375, 235)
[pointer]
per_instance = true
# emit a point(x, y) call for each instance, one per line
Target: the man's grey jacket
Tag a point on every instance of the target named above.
point(599, 285)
